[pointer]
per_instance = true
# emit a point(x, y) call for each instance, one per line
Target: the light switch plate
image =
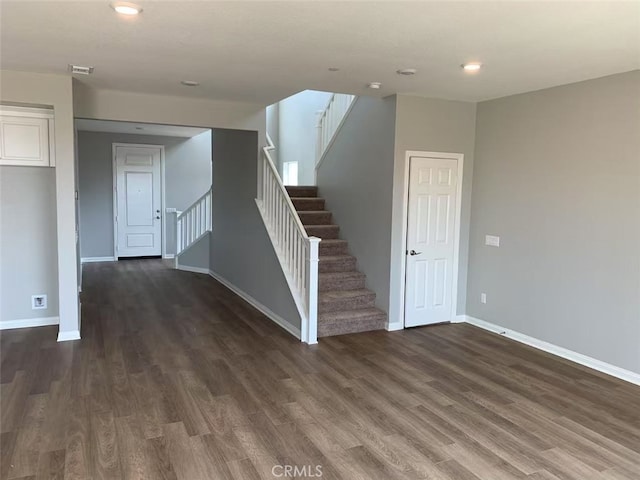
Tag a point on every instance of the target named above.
point(492, 240)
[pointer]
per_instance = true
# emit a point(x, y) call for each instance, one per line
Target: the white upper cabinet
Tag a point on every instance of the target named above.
point(26, 137)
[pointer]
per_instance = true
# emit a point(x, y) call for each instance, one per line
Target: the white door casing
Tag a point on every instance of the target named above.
point(431, 240)
point(138, 200)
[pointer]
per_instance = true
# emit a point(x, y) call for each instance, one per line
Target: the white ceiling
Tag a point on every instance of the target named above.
point(264, 51)
point(108, 126)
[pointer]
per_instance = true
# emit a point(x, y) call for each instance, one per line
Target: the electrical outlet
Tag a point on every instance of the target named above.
point(39, 302)
point(483, 298)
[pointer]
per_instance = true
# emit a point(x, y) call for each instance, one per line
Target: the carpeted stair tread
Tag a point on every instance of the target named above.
point(337, 263)
point(341, 281)
point(342, 294)
point(324, 232)
point(351, 321)
point(315, 217)
point(337, 300)
point(302, 191)
point(308, 203)
point(333, 246)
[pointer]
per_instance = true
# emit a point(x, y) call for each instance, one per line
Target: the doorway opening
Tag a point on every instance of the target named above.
point(134, 180)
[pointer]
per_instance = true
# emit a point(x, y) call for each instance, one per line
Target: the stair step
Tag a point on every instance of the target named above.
point(344, 304)
point(334, 246)
point(323, 231)
point(338, 300)
point(336, 263)
point(319, 217)
point(341, 281)
point(302, 191)
point(351, 321)
point(308, 203)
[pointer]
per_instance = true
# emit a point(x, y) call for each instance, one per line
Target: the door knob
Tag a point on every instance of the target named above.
point(413, 252)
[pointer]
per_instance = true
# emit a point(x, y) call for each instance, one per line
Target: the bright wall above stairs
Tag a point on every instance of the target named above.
point(292, 125)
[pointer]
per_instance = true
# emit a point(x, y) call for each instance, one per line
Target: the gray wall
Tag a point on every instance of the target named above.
point(241, 251)
point(197, 255)
point(28, 260)
point(557, 177)
point(356, 180)
point(432, 125)
point(53, 90)
point(298, 121)
point(187, 177)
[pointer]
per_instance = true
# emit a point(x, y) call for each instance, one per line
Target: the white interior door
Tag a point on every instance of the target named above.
point(138, 201)
point(430, 240)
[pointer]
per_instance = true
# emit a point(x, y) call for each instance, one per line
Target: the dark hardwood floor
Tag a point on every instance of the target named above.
point(177, 378)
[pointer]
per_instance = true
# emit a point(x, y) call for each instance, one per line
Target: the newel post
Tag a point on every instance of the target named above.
point(312, 292)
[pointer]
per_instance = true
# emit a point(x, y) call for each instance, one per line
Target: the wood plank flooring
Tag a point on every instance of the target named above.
point(177, 378)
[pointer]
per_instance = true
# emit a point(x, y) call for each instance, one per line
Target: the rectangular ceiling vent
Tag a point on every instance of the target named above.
point(79, 70)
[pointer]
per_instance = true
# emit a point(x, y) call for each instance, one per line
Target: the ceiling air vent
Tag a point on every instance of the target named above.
point(79, 70)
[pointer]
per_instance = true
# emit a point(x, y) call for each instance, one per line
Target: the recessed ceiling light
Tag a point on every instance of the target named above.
point(126, 8)
point(406, 71)
point(471, 67)
point(190, 83)
point(333, 69)
point(375, 85)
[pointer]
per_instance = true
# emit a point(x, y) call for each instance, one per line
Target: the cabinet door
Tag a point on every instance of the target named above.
point(24, 141)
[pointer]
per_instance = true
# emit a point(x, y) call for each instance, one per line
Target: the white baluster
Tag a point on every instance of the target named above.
point(179, 236)
point(198, 218)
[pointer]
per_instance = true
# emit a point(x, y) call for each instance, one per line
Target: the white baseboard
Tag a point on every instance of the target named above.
point(168, 256)
point(459, 319)
point(252, 301)
point(394, 327)
point(97, 259)
point(29, 322)
point(188, 268)
point(70, 335)
point(614, 371)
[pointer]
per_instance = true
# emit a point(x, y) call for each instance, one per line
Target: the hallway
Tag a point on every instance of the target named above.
point(177, 378)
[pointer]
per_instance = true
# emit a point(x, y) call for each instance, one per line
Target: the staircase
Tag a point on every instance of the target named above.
point(194, 223)
point(344, 304)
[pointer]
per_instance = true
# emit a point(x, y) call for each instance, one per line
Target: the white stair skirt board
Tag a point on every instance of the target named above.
point(576, 357)
point(29, 322)
point(97, 259)
point(252, 301)
point(188, 268)
point(70, 335)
